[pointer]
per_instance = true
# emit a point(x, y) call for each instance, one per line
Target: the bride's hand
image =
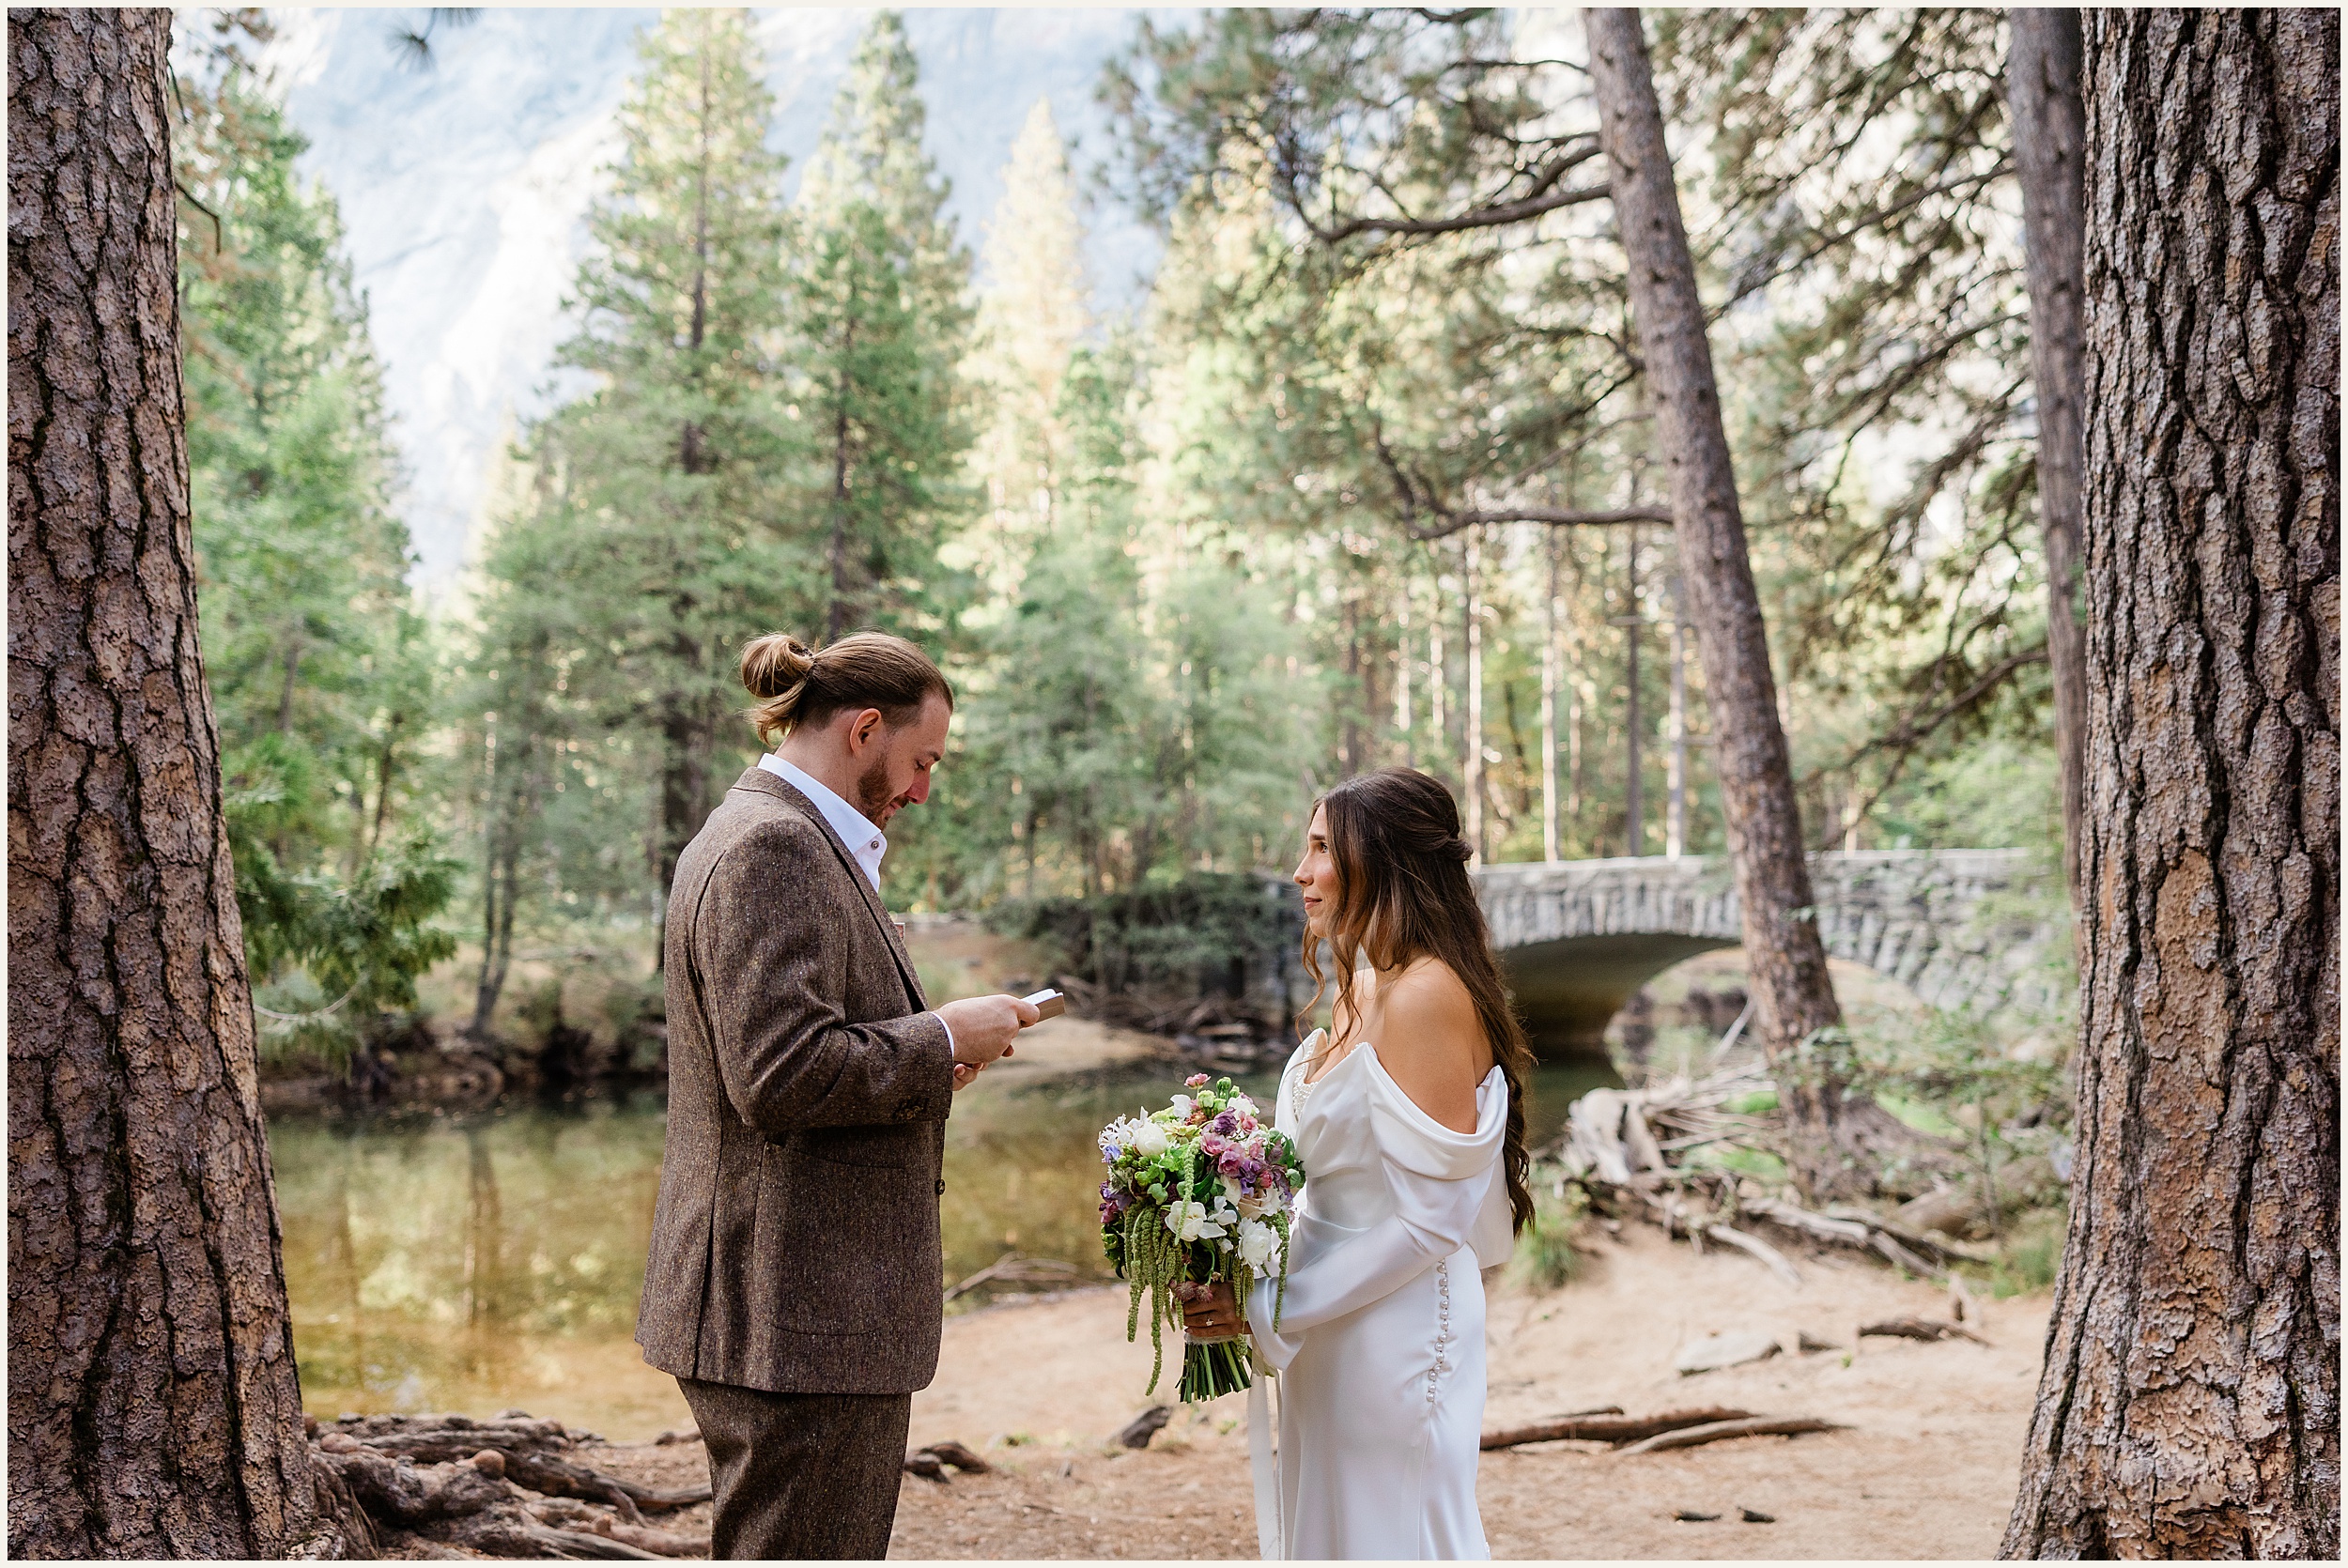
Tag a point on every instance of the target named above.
point(1209, 1311)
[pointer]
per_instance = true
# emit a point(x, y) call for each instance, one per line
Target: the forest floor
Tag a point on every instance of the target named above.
point(1926, 1467)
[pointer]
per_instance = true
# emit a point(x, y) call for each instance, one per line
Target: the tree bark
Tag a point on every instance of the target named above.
point(153, 1408)
point(2189, 1405)
point(1634, 719)
point(1471, 727)
point(2042, 83)
point(1793, 1001)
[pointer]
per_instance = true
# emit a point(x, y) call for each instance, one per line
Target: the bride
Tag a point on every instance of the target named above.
point(1408, 1115)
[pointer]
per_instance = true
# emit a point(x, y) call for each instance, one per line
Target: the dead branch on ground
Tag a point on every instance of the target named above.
point(1609, 1427)
point(1750, 1426)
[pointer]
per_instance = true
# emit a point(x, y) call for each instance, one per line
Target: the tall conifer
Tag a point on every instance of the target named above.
point(878, 327)
point(664, 477)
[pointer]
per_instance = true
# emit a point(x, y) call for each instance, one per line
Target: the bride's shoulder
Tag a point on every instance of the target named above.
point(1431, 1042)
point(1426, 991)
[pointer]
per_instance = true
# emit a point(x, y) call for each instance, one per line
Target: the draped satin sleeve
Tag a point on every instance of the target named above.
point(1438, 1181)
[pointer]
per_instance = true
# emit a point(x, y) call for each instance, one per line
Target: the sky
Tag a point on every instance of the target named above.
point(464, 189)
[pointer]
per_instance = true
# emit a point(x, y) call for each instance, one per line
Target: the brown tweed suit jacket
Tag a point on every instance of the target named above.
point(795, 1248)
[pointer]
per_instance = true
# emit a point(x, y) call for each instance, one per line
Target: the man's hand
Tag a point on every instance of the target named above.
point(964, 1076)
point(984, 1027)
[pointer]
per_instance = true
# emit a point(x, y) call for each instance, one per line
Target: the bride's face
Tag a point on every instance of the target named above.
point(1317, 874)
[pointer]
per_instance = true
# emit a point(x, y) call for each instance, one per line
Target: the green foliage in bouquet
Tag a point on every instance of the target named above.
point(1200, 1191)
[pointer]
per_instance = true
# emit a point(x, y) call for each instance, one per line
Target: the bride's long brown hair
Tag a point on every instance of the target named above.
point(1403, 894)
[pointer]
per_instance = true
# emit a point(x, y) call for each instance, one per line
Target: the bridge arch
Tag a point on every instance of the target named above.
point(1577, 938)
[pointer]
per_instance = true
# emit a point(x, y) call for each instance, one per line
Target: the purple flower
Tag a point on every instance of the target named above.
point(1225, 1124)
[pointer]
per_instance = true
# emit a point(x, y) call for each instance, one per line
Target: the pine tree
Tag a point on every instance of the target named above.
point(663, 479)
point(321, 670)
point(1031, 314)
point(878, 324)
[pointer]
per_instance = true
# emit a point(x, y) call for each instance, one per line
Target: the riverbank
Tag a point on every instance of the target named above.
point(1925, 1467)
point(583, 1020)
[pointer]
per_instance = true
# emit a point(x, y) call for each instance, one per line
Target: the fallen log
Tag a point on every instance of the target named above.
point(1928, 1329)
point(1748, 1426)
point(1614, 1427)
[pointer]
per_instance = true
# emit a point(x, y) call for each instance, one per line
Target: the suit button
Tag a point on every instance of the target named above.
point(941, 1187)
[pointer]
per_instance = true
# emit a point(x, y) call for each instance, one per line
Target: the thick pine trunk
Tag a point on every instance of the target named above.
point(153, 1409)
point(2050, 141)
point(1793, 1001)
point(2190, 1405)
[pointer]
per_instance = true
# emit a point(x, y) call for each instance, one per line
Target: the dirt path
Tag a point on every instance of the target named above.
point(1926, 1470)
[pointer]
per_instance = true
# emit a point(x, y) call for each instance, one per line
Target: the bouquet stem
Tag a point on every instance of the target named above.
point(1212, 1368)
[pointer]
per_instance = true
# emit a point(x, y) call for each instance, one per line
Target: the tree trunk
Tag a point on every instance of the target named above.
point(836, 615)
point(1471, 727)
point(1793, 1001)
point(687, 738)
point(2041, 82)
point(1550, 672)
point(2189, 1405)
point(1633, 721)
point(153, 1408)
point(1676, 771)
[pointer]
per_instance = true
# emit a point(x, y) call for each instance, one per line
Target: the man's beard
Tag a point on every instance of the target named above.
point(873, 797)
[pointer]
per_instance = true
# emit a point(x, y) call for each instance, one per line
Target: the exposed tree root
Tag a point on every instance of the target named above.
point(1625, 1149)
point(506, 1487)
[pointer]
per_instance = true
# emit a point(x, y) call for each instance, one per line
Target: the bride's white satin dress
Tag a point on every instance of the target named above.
point(1381, 1344)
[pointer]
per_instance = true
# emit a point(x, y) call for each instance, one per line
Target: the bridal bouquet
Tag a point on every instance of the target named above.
point(1202, 1192)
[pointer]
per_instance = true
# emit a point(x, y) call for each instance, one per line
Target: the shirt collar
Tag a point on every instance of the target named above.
point(865, 843)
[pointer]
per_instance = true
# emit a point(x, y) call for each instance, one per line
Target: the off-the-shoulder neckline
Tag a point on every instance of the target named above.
point(1400, 1093)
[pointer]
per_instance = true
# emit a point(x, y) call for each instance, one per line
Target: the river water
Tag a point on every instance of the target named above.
point(491, 1261)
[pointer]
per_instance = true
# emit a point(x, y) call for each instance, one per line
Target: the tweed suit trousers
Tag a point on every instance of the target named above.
point(801, 1475)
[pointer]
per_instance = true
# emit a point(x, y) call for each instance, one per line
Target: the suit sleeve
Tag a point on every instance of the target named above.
point(774, 956)
point(1433, 1219)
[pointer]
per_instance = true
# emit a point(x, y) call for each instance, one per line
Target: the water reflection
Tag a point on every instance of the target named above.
point(493, 1261)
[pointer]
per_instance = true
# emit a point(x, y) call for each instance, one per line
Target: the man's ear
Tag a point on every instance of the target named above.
point(864, 728)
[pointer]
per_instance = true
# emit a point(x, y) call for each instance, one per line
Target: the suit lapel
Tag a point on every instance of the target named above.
point(759, 779)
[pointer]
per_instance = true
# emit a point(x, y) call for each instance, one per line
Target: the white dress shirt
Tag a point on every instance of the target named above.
point(865, 843)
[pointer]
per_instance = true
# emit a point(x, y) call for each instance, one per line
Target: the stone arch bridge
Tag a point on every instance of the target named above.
point(1579, 937)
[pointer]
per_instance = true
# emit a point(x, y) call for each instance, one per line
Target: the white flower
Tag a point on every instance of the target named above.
point(1254, 1206)
point(1183, 1105)
point(1189, 1222)
point(1149, 1139)
point(1242, 1104)
point(1258, 1244)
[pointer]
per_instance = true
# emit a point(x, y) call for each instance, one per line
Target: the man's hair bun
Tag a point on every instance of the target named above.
point(774, 664)
point(797, 686)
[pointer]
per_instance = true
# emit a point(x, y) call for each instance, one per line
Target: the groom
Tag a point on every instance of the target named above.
point(793, 1283)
